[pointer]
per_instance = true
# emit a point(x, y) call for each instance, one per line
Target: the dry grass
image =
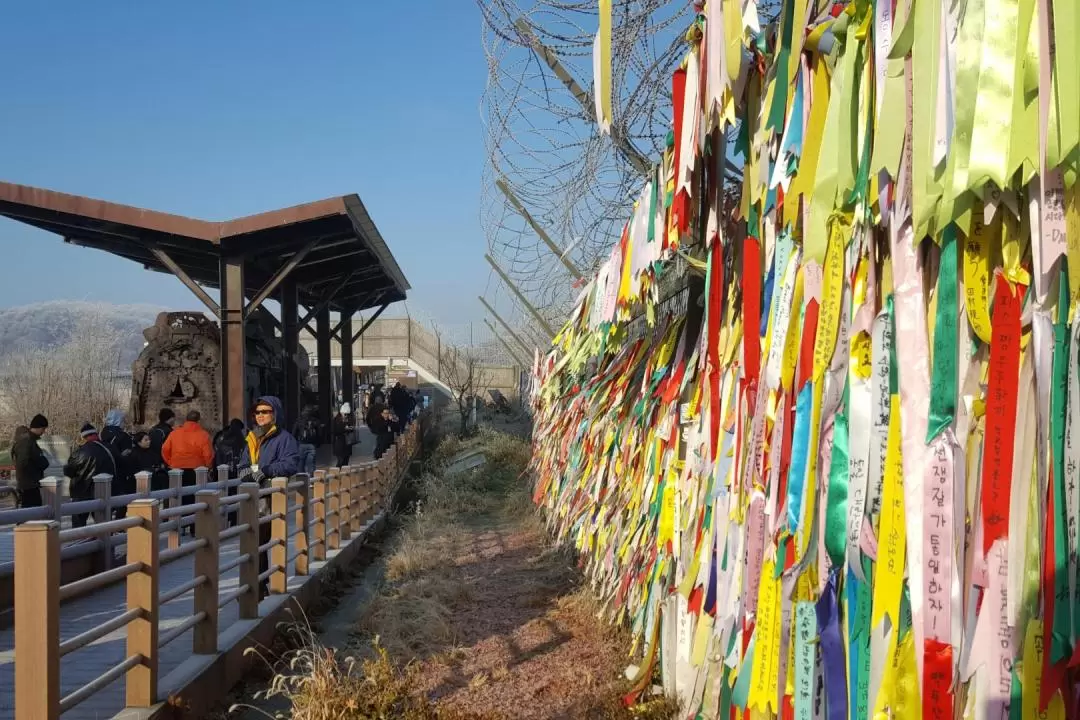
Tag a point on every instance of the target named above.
point(480, 618)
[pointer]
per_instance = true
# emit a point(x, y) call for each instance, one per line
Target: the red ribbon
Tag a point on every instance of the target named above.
point(1001, 412)
point(751, 300)
point(937, 680)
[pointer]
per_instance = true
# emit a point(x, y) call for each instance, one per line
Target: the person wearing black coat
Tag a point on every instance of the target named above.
point(160, 432)
point(30, 462)
point(339, 430)
point(121, 445)
point(144, 459)
point(380, 422)
point(229, 445)
point(90, 458)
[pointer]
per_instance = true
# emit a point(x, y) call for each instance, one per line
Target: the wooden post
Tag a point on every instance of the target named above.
point(345, 511)
point(356, 518)
point(279, 531)
point(176, 483)
point(303, 524)
point(318, 526)
point(333, 512)
point(142, 484)
point(202, 476)
point(37, 620)
point(249, 545)
point(207, 559)
point(142, 594)
point(103, 492)
point(52, 495)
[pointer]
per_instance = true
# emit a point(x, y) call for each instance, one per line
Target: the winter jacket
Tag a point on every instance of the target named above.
point(188, 447)
point(228, 446)
point(340, 431)
point(30, 461)
point(276, 453)
point(121, 446)
point(89, 459)
point(375, 421)
point(158, 435)
point(307, 431)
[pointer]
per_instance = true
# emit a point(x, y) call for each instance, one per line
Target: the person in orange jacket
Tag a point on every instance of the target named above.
point(188, 447)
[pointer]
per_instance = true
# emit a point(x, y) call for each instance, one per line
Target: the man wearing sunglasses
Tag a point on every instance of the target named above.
point(270, 452)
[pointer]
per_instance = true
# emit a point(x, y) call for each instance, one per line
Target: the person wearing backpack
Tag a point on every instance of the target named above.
point(306, 433)
point(91, 457)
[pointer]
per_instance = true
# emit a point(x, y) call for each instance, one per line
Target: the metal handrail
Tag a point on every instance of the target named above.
point(174, 554)
point(95, 633)
point(98, 581)
point(99, 683)
point(99, 529)
point(181, 510)
point(167, 597)
point(233, 564)
point(229, 597)
point(180, 629)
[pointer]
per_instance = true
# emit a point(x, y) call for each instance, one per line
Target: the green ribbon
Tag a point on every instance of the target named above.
point(944, 378)
point(892, 125)
point(1064, 125)
point(1060, 642)
point(837, 506)
point(925, 178)
point(994, 102)
point(782, 80)
point(957, 200)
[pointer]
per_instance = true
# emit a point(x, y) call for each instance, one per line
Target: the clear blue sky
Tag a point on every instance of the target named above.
point(219, 109)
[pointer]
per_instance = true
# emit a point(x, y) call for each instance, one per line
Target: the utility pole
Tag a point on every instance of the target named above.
point(501, 184)
point(517, 293)
point(524, 345)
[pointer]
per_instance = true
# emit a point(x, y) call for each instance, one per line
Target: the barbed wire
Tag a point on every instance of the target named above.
point(543, 142)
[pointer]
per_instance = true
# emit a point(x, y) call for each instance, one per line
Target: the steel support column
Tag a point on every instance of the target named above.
point(348, 372)
point(322, 351)
point(233, 365)
point(290, 335)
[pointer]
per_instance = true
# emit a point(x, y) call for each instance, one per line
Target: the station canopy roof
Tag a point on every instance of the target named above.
point(344, 260)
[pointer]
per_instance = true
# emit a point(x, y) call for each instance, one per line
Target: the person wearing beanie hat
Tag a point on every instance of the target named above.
point(340, 428)
point(90, 458)
point(30, 462)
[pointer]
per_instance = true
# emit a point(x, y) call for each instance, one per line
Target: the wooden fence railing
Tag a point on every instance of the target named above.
point(327, 510)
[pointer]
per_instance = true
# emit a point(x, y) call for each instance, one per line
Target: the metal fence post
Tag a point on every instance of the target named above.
point(176, 483)
point(52, 495)
point(318, 525)
point(103, 492)
point(279, 533)
point(303, 524)
point(142, 593)
point(207, 559)
point(37, 620)
point(223, 486)
point(142, 484)
point(249, 545)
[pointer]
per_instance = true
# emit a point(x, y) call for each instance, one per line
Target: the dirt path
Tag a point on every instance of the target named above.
point(469, 614)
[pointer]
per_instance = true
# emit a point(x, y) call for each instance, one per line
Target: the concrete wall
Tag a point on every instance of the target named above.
point(404, 338)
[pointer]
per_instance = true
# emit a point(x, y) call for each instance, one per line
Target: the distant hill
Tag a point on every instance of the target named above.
point(50, 324)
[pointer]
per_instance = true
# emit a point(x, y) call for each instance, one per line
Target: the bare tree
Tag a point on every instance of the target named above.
point(461, 370)
point(72, 384)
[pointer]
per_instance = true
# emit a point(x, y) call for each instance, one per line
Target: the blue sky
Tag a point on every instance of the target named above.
point(221, 109)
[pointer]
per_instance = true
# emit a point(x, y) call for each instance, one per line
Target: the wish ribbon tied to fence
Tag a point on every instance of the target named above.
point(285, 529)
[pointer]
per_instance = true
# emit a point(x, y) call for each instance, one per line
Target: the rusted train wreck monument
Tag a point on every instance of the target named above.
point(321, 257)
